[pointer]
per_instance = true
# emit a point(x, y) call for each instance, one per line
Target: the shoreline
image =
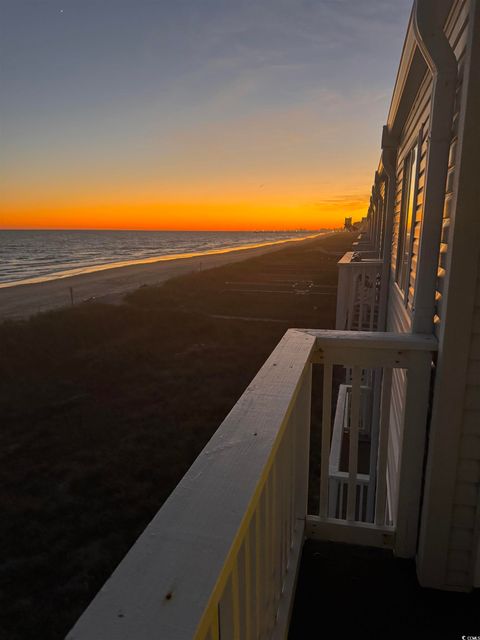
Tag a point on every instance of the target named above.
point(79, 271)
point(111, 282)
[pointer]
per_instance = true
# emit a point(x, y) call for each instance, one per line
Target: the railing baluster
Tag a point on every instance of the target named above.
point(279, 497)
point(341, 491)
point(351, 303)
point(291, 484)
point(381, 493)
point(285, 502)
point(277, 520)
point(357, 303)
point(332, 497)
point(286, 471)
point(372, 302)
point(235, 602)
point(262, 558)
point(248, 586)
point(362, 297)
point(268, 550)
point(214, 632)
point(326, 430)
point(259, 568)
point(353, 443)
point(296, 432)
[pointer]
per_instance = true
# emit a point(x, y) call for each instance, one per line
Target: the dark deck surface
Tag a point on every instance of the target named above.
point(345, 591)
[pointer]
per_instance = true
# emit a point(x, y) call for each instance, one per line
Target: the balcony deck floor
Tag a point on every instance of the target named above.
point(368, 593)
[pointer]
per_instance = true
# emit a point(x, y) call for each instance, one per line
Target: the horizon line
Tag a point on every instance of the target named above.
point(296, 230)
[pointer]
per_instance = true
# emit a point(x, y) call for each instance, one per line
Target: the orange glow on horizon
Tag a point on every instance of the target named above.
point(188, 216)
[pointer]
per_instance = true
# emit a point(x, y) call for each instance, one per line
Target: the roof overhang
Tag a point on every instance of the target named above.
point(410, 75)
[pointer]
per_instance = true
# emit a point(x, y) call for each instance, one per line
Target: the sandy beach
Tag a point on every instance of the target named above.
point(111, 284)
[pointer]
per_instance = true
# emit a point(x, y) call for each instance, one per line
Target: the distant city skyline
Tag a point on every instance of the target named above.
point(193, 115)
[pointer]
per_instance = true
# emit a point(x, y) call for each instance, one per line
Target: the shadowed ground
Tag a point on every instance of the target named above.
point(104, 408)
point(359, 592)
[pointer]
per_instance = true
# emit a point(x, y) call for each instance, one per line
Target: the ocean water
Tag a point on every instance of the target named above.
point(45, 255)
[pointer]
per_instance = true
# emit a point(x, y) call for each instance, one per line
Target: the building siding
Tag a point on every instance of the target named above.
point(456, 30)
point(416, 123)
point(464, 534)
point(463, 549)
point(416, 129)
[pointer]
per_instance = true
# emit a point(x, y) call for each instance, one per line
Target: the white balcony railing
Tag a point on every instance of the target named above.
point(358, 295)
point(338, 478)
point(377, 492)
point(219, 560)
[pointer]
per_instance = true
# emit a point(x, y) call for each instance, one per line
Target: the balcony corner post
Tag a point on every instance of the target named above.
point(412, 456)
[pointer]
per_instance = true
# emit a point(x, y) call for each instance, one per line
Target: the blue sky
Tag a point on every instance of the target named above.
point(158, 102)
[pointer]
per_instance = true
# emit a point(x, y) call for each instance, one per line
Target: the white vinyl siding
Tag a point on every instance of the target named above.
point(466, 507)
point(416, 126)
point(457, 31)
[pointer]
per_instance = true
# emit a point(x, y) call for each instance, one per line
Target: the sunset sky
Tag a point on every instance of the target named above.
point(193, 114)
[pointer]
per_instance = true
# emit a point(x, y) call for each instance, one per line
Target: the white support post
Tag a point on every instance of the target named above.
point(412, 453)
point(381, 474)
point(343, 296)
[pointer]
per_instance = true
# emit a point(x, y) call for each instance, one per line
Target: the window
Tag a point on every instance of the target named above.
point(407, 221)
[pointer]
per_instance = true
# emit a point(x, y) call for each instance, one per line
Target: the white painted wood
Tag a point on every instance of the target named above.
point(358, 296)
point(338, 480)
point(353, 448)
point(381, 492)
point(412, 455)
point(283, 617)
point(442, 63)
point(343, 294)
point(360, 533)
point(399, 318)
point(395, 434)
point(388, 169)
point(403, 449)
point(326, 432)
point(371, 341)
